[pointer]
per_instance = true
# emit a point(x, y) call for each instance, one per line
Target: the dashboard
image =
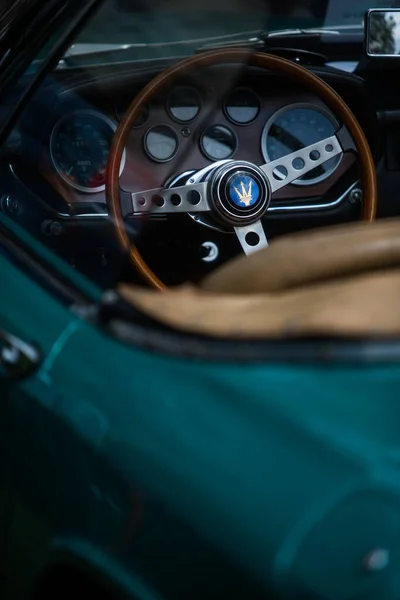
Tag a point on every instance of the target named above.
point(80, 141)
point(219, 113)
point(188, 127)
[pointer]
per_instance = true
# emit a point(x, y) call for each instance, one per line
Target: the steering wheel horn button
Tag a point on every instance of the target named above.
point(240, 193)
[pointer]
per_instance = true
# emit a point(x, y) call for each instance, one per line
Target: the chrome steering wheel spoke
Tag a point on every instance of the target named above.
point(189, 198)
point(285, 170)
point(252, 238)
point(239, 192)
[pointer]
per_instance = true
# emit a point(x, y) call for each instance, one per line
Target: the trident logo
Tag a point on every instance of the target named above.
point(245, 196)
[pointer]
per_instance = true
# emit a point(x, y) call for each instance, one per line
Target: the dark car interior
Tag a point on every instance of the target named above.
point(54, 165)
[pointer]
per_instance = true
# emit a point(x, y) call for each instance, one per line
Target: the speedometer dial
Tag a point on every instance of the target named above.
point(295, 127)
point(79, 146)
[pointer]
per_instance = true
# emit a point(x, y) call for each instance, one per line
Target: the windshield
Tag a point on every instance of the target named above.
point(171, 21)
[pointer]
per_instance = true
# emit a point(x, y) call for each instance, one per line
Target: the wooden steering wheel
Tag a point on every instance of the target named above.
point(238, 193)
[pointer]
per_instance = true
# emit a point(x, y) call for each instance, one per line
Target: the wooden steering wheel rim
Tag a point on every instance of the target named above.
point(249, 58)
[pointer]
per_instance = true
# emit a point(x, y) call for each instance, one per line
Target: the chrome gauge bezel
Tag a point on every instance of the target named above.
point(277, 114)
point(91, 113)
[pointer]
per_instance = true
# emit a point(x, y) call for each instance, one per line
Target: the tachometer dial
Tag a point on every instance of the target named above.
point(79, 146)
point(295, 127)
point(218, 142)
point(242, 106)
point(184, 104)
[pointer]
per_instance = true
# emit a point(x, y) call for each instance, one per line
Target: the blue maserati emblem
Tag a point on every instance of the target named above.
point(244, 191)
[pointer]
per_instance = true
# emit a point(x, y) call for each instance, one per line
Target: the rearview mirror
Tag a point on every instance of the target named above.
point(382, 32)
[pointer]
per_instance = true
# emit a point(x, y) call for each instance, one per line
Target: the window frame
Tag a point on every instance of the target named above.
point(21, 248)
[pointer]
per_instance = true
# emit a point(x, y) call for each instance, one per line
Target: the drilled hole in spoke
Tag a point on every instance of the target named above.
point(329, 148)
point(315, 155)
point(252, 239)
point(298, 164)
point(194, 197)
point(142, 201)
point(176, 200)
point(158, 200)
point(280, 173)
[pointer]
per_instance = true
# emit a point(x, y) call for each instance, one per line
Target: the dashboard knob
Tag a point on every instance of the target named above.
point(355, 196)
point(9, 204)
point(210, 252)
point(52, 228)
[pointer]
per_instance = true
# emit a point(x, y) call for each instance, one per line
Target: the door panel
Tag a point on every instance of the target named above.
point(32, 316)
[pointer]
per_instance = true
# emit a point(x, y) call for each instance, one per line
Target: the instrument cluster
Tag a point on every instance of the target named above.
point(217, 141)
point(80, 141)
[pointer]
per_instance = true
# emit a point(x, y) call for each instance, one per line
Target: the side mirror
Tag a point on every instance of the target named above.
point(382, 33)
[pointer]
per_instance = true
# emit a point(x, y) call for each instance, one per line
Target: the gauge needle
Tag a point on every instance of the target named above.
point(70, 170)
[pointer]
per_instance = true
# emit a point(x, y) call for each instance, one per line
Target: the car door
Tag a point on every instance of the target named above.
point(34, 326)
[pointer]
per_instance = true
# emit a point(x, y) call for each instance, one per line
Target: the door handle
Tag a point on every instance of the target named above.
point(18, 359)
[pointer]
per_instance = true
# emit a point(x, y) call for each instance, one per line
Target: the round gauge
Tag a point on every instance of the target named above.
point(218, 142)
point(242, 106)
point(79, 147)
point(295, 127)
point(142, 118)
point(161, 143)
point(184, 104)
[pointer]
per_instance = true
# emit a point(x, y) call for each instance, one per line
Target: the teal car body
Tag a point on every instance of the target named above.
point(142, 463)
point(165, 476)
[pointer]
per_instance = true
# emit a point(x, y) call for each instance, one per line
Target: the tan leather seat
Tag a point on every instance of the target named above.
point(340, 281)
point(314, 256)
